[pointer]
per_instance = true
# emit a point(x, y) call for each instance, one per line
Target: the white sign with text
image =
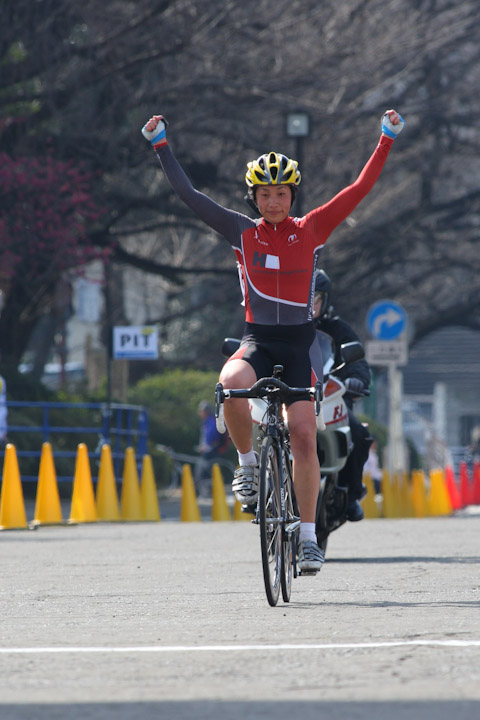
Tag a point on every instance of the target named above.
point(135, 342)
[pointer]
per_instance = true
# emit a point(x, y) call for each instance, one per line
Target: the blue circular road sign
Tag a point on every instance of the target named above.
point(386, 320)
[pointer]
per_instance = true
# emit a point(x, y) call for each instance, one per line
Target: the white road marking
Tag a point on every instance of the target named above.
point(238, 648)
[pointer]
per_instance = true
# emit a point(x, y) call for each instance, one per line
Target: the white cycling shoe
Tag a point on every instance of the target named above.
point(310, 556)
point(245, 484)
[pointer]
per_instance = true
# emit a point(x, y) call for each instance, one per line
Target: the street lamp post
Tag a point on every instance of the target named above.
point(298, 127)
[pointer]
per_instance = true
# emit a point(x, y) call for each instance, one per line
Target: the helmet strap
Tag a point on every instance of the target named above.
point(293, 190)
point(251, 202)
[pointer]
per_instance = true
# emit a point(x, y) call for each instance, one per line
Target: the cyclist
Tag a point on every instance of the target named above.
point(356, 378)
point(276, 257)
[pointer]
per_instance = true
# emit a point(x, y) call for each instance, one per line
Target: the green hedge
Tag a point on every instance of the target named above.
point(171, 399)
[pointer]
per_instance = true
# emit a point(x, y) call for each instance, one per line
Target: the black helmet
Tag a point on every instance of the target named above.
point(322, 282)
point(323, 285)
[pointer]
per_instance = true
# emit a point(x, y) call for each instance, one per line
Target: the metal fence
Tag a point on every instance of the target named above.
point(65, 425)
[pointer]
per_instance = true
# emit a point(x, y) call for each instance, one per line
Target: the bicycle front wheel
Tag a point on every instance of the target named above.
point(289, 535)
point(270, 517)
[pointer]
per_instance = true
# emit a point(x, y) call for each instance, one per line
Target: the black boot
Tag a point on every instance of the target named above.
point(354, 511)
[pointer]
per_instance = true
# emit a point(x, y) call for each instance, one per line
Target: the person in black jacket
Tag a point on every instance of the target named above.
point(356, 378)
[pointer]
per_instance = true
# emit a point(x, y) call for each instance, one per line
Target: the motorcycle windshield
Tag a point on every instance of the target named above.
point(328, 350)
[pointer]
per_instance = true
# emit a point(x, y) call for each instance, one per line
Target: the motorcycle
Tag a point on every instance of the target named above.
point(334, 441)
point(334, 444)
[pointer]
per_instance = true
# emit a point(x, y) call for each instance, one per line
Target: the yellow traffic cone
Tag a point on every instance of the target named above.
point(401, 489)
point(130, 505)
point(418, 494)
point(189, 511)
point(83, 498)
point(438, 500)
point(239, 515)
point(407, 496)
point(399, 510)
point(12, 507)
point(220, 509)
point(388, 496)
point(370, 507)
point(48, 510)
point(107, 496)
point(148, 491)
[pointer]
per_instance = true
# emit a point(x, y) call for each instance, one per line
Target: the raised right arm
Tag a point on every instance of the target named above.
point(327, 217)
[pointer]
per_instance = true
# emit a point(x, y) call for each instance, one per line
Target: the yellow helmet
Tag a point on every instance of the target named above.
point(272, 169)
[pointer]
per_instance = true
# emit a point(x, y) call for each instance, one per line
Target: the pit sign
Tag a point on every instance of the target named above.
point(135, 342)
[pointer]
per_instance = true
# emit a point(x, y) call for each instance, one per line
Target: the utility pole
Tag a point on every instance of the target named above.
point(298, 127)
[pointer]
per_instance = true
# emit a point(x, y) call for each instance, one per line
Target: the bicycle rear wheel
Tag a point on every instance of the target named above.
point(270, 517)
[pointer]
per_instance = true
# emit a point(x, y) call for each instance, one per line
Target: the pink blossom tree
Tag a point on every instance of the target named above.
point(47, 207)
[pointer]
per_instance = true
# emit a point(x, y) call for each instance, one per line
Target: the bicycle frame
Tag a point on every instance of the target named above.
point(276, 429)
point(274, 436)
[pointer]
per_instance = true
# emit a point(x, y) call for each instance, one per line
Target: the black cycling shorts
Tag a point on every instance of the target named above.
point(293, 346)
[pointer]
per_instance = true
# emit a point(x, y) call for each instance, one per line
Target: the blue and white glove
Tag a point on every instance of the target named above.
point(391, 130)
point(354, 385)
point(157, 137)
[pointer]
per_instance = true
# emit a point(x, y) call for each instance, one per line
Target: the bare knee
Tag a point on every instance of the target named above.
point(303, 440)
point(237, 374)
point(303, 431)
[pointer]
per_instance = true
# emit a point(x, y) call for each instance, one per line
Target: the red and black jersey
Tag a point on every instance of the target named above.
point(277, 263)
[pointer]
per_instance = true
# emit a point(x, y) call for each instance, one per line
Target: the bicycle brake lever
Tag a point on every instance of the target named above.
point(219, 399)
point(318, 396)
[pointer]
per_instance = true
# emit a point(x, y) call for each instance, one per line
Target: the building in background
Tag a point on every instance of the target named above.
point(441, 395)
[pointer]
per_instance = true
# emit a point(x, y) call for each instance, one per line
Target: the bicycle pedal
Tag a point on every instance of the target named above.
point(248, 509)
point(308, 573)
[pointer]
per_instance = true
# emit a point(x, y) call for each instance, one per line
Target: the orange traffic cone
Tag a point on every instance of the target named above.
point(48, 510)
point(476, 483)
point(130, 498)
point(12, 507)
point(465, 490)
point(107, 496)
point(452, 489)
point(148, 491)
point(83, 498)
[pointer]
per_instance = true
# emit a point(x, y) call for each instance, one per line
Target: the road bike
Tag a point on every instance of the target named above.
point(276, 511)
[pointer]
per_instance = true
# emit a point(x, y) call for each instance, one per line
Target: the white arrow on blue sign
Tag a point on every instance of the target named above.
point(386, 320)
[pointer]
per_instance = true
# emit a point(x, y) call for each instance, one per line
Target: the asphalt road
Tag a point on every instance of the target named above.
point(170, 619)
